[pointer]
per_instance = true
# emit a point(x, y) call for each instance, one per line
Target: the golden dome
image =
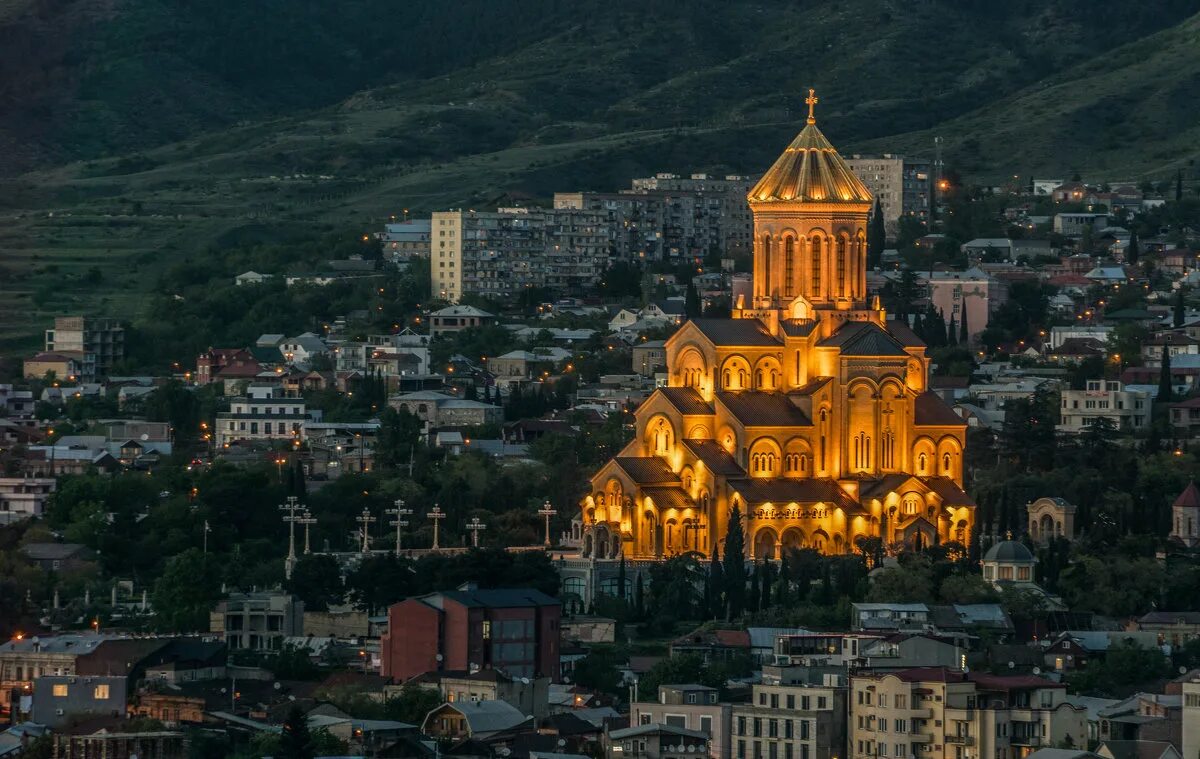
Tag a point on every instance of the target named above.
point(810, 170)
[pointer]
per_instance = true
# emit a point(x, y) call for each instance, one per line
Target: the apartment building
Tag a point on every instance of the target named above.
point(692, 707)
point(940, 712)
point(262, 415)
point(100, 340)
point(24, 497)
point(790, 722)
point(1191, 718)
point(406, 240)
point(973, 292)
point(500, 254)
point(672, 217)
point(1128, 410)
point(257, 621)
point(903, 186)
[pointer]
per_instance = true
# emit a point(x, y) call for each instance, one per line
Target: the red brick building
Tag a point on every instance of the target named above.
point(514, 630)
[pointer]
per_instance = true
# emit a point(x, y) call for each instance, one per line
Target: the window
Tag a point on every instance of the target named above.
point(60, 690)
point(705, 725)
point(791, 700)
point(815, 270)
point(741, 749)
point(101, 693)
point(487, 630)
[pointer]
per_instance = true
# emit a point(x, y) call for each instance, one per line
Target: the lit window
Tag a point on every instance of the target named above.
point(101, 693)
point(60, 690)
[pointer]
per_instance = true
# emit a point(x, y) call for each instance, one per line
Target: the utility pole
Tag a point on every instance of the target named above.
point(475, 527)
point(547, 511)
point(207, 530)
point(291, 507)
point(401, 520)
point(437, 515)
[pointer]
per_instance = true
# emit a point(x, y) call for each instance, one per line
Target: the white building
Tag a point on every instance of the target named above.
point(301, 349)
point(458, 318)
point(1073, 224)
point(23, 497)
point(406, 240)
point(1191, 718)
point(1128, 410)
point(262, 415)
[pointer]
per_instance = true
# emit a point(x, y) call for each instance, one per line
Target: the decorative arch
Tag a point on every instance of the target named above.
point(789, 265)
point(949, 458)
point(924, 453)
point(660, 436)
point(699, 432)
point(766, 459)
point(735, 374)
point(815, 266)
point(768, 374)
point(691, 367)
point(793, 537)
point(765, 543)
point(893, 421)
point(797, 458)
point(820, 541)
point(841, 263)
point(728, 439)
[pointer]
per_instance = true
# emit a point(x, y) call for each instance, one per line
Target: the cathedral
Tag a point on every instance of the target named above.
point(808, 410)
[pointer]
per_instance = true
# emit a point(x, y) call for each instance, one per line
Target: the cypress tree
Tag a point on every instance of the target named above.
point(781, 587)
point(691, 303)
point(299, 489)
point(755, 585)
point(735, 565)
point(621, 578)
point(716, 581)
point(295, 741)
point(964, 337)
point(1164, 377)
point(876, 237)
point(1180, 312)
point(952, 333)
point(1133, 250)
point(767, 587)
point(639, 598)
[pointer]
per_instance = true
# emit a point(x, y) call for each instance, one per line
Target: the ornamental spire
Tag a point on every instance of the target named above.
point(812, 102)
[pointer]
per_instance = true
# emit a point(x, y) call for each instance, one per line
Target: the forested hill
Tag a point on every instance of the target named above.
point(82, 79)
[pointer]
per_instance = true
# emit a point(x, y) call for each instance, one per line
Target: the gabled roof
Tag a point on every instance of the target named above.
point(754, 408)
point(1189, 498)
point(670, 498)
point(904, 334)
point(716, 458)
point(784, 491)
point(656, 728)
point(931, 411)
point(949, 491)
point(485, 716)
point(749, 332)
point(798, 327)
point(686, 400)
point(647, 470)
point(864, 339)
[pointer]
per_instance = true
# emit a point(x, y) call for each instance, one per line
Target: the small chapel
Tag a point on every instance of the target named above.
point(809, 411)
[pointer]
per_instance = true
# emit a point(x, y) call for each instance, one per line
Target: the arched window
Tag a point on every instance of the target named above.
point(922, 463)
point(725, 379)
point(766, 265)
point(789, 251)
point(759, 379)
point(841, 265)
point(862, 451)
point(946, 464)
point(743, 379)
point(815, 269)
point(912, 505)
point(887, 449)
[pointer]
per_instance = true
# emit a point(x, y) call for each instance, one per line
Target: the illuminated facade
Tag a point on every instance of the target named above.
point(808, 410)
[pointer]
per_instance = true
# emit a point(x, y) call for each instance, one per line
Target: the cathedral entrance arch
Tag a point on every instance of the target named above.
point(765, 542)
point(793, 537)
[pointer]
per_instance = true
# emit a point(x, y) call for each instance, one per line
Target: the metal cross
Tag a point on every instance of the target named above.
point(400, 522)
point(437, 515)
point(291, 507)
point(365, 519)
point(306, 520)
point(547, 511)
point(812, 102)
point(475, 526)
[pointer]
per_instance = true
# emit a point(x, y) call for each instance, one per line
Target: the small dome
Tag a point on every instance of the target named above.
point(1009, 550)
point(810, 171)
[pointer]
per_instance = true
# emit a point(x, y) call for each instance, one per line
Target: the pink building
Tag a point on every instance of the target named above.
point(972, 291)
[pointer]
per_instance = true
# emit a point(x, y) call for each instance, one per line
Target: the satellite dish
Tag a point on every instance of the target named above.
point(1037, 670)
point(1011, 664)
point(145, 437)
point(525, 681)
point(277, 686)
point(438, 657)
point(561, 743)
point(1182, 670)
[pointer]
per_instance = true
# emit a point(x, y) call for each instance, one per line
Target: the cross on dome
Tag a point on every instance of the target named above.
point(812, 101)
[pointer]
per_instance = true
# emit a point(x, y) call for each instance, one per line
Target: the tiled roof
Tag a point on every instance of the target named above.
point(932, 411)
point(798, 327)
point(502, 598)
point(864, 339)
point(670, 498)
point(686, 399)
point(812, 386)
point(902, 332)
point(882, 486)
point(784, 491)
point(949, 491)
point(716, 458)
point(761, 409)
point(647, 470)
point(735, 332)
point(1189, 498)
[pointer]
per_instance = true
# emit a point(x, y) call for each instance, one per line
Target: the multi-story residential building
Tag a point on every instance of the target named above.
point(668, 216)
point(457, 318)
point(102, 340)
point(790, 722)
point(406, 240)
point(502, 253)
point(692, 707)
point(513, 630)
point(59, 699)
point(1191, 719)
point(655, 741)
point(528, 695)
point(1173, 343)
point(1128, 410)
point(972, 292)
point(257, 621)
point(1074, 224)
point(63, 366)
point(902, 185)
point(940, 712)
point(23, 497)
point(262, 415)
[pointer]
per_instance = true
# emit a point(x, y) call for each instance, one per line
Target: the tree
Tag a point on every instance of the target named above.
point(598, 671)
point(952, 333)
point(1178, 185)
point(876, 237)
point(1180, 313)
point(755, 583)
point(639, 598)
point(735, 565)
point(295, 741)
point(399, 432)
point(317, 581)
point(621, 578)
point(1133, 250)
point(1164, 377)
point(186, 591)
point(412, 704)
point(716, 585)
point(691, 305)
point(964, 335)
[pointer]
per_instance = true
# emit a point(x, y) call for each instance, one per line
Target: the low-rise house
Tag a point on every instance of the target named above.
point(1143, 717)
point(656, 741)
point(112, 741)
point(479, 720)
point(251, 278)
point(262, 415)
point(60, 699)
point(889, 616)
point(64, 366)
point(457, 318)
point(713, 645)
point(527, 695)
point(24, 497)
point(442, 410)
point(1173, 628)
point(58, 557)
point(1074, 224)
point(1073, 649)
point(1137, 750)
point(527, 364)
point(649, 357)
point(303, 348)
point(692, 707)
point(1127, 410)
point(257, 621)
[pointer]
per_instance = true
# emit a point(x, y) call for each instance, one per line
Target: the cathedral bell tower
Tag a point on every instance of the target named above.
point(810, 243)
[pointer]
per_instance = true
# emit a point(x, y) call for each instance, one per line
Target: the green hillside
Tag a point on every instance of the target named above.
point(146, 131)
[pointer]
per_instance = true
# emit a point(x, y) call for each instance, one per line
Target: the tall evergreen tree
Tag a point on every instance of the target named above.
point(952, 333)
point(767, 587)
point(716, 582)
point(1164, 377)
point(781, 586)
point(298, 486)
point(691, 304)
point(621, 578)
point(735, 565)
point(964, 337)
point(755, 584)
point(876, 237)
point(639, 597)
point(295, 741)
point(1180, 311)
point(1133, 250)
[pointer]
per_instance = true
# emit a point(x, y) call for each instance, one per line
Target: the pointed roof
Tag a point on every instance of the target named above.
point(647, 470)
point(757, 408)
point(1189, 498)
point(931, 411)
point(716, 458)
point(864, 339)
point(686, 400)
point(810, 170)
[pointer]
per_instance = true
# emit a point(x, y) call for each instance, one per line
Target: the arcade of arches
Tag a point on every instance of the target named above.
point(808, 410)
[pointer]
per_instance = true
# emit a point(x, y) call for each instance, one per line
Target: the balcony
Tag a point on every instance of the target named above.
point(921, 712)
point(1026, 740)
point(920, 738)
point(961, 740)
